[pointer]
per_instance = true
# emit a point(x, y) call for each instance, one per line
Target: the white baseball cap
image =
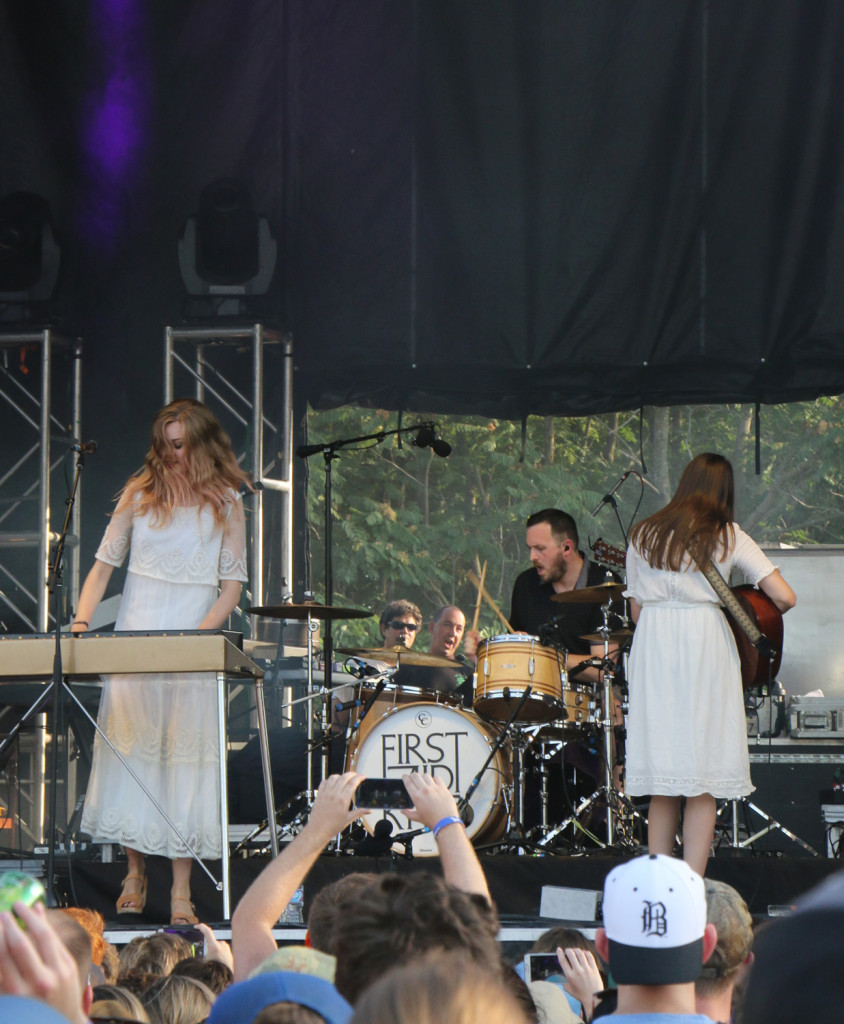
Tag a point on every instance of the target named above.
point(654, 915)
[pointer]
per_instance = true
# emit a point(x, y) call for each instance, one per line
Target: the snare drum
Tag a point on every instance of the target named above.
point(507, 665)
point(447, 743)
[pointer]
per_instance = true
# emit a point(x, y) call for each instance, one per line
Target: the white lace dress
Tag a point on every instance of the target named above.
point(686, 726)
point(164, 725)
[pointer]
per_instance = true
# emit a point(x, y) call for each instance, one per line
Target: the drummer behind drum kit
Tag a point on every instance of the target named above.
point(526, 700)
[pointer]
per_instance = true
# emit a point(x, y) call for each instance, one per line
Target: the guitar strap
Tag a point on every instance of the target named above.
point(732, 605)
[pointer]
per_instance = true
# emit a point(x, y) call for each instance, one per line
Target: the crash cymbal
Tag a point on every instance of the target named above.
point(391, 655)
point(303, 611)
point(613, 636)
point(591, 595)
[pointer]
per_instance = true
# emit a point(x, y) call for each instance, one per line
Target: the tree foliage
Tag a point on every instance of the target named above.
point(407, 523)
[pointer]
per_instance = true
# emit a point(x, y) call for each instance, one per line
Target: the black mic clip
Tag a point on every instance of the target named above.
point(609, 499)
point(84, 447)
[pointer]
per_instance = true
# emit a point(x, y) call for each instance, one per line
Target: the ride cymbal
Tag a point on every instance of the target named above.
point(304, 611)
point(403, 655)
point(600, 594)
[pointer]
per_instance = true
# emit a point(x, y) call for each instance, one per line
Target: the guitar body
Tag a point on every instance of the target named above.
point(756, 669)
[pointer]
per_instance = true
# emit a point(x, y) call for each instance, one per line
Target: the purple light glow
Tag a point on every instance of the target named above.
point(116, 115)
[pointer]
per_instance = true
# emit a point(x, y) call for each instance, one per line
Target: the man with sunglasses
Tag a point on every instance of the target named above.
point(399, 623)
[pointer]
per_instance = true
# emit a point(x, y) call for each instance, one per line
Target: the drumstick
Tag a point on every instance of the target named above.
point(480, 595)
point(474, 580)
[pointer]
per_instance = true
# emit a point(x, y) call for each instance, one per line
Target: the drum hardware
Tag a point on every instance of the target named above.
point(394, 655)
point(727, 815)
point(312, 613)
point(732, 829)
point(444, 741)
point(601, 593)
point(518, 792)
point(619, 810)
point(611, 636)
point(307, 611)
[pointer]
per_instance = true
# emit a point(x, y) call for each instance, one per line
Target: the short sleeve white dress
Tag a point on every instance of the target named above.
point(164, 725)
point(686, 726)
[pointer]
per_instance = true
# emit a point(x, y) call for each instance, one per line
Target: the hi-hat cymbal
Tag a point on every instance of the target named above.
point(600, 594)
point(613, 636)
point(402, 655)
point(304, 611)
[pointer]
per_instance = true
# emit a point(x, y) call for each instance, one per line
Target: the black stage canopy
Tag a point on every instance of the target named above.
point(502, 207)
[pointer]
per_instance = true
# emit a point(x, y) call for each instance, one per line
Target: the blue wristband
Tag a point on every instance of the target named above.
point(441, 824)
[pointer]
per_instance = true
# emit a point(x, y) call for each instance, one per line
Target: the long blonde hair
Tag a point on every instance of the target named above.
point(437, 988)
point(698, 519)
point(211, 469)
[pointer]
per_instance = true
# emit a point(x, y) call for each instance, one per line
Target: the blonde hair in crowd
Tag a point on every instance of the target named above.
point(211, 469)
point(438, 990)
point(177, 1000)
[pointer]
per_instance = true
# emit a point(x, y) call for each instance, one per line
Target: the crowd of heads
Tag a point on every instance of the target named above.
point(414, 948)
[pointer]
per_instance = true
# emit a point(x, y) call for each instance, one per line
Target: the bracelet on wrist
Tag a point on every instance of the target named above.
point(80, 622)
point(443, 822)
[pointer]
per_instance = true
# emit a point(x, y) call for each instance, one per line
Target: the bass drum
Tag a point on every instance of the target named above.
point(447, 743)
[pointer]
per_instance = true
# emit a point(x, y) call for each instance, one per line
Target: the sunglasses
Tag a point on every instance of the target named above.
point(411, 627)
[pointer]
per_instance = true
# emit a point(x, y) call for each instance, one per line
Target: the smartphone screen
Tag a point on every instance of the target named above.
point(541, 966)
point(383, 794)
point(193, 935)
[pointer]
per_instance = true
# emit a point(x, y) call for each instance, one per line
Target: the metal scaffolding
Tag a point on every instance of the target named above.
point(41, 418)
point(231, 368)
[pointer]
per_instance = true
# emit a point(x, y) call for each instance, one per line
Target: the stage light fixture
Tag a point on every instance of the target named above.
point(29, 254)
point(226, 250)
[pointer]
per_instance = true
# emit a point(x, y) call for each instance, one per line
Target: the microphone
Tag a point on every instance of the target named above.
point(84, 447)
point(466, 812)
point(379, 842)
point(427, 438)
point(359, 669)
point(250, 487)
point(304, 450)
point(347, 705)
point(607, 498)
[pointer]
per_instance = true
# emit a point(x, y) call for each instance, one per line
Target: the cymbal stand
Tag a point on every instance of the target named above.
point(545, 751)
point(615, 802)
point(733, 829)
point(306, 795)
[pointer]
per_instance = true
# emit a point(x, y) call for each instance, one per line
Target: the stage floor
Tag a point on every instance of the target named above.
point(765, 882)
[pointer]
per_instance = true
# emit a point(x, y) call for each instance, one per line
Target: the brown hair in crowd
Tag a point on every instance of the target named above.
point(288, 1013)
point(323, 911)
point(213, 973)
point(400, 917)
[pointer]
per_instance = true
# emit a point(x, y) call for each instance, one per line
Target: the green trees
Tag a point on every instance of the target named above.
point(410, 524)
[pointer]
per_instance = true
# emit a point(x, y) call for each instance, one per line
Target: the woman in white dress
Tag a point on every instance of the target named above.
point(686, 727)
point(181, 519)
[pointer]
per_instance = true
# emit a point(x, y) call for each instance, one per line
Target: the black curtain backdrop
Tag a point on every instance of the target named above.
point(504, 208)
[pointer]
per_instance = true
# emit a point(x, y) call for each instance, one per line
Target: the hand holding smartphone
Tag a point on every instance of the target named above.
point(382, 794)
point(541, 966)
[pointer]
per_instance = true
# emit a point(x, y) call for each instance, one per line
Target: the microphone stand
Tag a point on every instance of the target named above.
point(329, 450)
point(54, 586)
